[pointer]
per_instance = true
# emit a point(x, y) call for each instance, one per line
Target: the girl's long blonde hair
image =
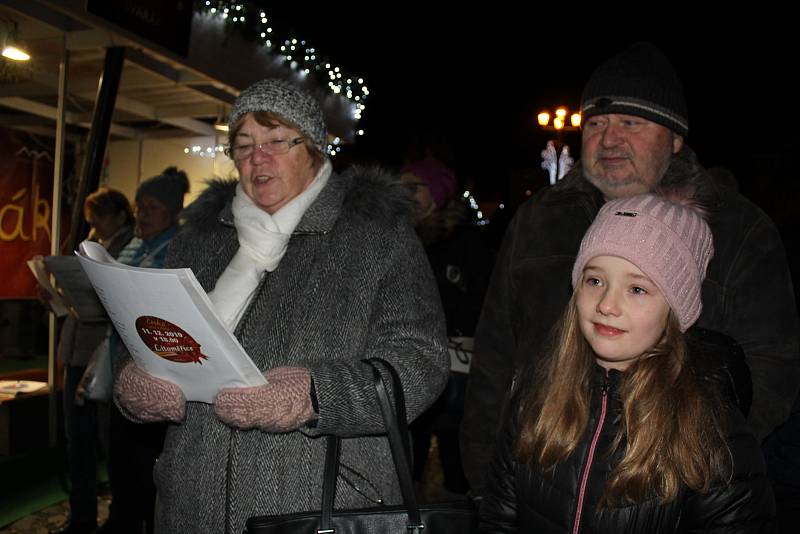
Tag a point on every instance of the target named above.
point(671, 429)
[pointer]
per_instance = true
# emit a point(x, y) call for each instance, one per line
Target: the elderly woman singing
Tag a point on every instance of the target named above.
point(313, 272)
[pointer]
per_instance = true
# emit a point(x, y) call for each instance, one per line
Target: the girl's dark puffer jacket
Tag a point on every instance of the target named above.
point(521, 498)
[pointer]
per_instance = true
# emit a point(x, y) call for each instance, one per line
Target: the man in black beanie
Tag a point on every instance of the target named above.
point(635, 121)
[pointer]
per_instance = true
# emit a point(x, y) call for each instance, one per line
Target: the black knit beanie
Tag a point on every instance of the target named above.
point(639, 81)
point(169, 187)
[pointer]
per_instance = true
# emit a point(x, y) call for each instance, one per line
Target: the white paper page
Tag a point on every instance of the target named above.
point(154, 311)
point(36, 265)
point(227, 341)
point(76, 287)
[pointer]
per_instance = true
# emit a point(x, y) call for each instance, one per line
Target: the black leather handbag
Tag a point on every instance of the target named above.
point(408, 518)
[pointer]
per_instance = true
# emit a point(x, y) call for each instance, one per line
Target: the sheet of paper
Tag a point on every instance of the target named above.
point(168, 325)
point(78, 291)
point(37, 267)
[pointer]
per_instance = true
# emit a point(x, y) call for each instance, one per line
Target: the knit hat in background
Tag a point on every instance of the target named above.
point(437, 176)
point(670, 243)
point(639, 81)
point(169, 187)
point(287, 100)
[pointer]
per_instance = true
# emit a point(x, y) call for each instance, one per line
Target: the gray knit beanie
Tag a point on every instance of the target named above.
point(287, 100)
point(639, 81)
point(670, 243)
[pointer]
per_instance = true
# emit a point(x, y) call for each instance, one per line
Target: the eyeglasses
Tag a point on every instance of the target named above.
point(273, 148)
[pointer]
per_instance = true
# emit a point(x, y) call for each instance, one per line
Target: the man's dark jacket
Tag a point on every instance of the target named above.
point(747, 294)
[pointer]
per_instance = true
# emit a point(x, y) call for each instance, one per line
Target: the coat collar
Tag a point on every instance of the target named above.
point(369, 195)
point(323, 212)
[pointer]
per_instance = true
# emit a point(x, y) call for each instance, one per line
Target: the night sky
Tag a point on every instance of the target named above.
point(474, 83)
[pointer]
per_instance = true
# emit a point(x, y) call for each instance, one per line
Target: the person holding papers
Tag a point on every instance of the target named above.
point(314, 272)
point(110, 217)
point(134, 448)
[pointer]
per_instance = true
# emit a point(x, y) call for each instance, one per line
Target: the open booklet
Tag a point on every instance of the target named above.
point(169, 325)
point(78, 294)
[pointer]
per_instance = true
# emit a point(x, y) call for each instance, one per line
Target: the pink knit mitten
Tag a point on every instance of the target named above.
point(147, 398)
point(281, 405)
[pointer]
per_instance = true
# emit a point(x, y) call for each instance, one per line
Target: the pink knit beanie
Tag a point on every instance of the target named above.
point(670, 243)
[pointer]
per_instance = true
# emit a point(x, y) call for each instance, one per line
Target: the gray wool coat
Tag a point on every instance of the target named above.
point(354, 284)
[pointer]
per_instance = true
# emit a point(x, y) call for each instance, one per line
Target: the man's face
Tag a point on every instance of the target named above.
point(625, 155)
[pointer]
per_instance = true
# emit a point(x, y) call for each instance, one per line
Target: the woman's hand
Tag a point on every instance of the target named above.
point(282, 404)
point(147, 398)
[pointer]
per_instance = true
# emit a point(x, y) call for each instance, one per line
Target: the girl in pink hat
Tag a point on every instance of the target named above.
point(633, 422)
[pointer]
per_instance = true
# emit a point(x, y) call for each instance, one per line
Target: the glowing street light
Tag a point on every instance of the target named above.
point(559, 120)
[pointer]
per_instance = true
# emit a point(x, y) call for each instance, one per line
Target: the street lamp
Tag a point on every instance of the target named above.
point(557, 165)
point(559, 120)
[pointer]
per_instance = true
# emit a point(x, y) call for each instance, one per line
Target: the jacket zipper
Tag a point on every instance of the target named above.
point(590, 457)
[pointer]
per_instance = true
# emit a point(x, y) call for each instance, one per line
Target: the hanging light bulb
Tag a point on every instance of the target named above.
point(17, 54)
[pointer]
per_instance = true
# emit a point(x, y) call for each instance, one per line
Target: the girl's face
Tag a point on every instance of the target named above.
point(621, 312)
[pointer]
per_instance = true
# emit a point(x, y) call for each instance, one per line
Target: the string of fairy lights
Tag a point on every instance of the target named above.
point(296, 53)
point(254, 23)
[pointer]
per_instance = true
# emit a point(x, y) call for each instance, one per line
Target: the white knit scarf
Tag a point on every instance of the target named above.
point(263, 239)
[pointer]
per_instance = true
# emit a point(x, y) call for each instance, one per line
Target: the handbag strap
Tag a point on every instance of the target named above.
point(397, 432)
point(401, 417)
point(331, 473)
point(396, 423)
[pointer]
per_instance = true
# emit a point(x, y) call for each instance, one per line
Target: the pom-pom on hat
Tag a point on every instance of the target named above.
point(670, 243)
point(287, 100)
point(639, 81)
point(169, 187)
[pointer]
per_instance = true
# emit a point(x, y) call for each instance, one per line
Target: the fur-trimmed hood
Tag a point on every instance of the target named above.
point(371, 194)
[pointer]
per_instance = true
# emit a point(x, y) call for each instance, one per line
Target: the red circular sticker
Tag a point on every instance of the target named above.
point(169, 341)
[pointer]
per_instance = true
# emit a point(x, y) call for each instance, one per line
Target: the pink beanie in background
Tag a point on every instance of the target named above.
point(437, 176)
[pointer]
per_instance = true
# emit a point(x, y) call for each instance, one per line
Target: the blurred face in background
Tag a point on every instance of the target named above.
point(152, 217)
point(424, 204)
point(105, 226)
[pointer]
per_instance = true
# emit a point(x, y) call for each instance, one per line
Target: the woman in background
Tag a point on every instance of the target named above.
point(135, 448)
point(110, 217)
